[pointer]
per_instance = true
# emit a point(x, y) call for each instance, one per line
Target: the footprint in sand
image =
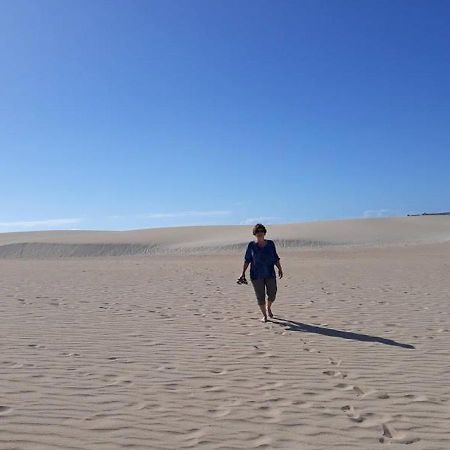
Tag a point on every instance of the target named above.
point(335, 373)
point(352, 414)
point(382, 395)
point(348, 387)
point(377, 394)
point(334, 362)
point(358, 391)
point(389, 435)
point(421, 398)
point(311, 350)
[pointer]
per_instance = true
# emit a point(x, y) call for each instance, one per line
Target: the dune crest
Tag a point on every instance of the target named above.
point(224, 239)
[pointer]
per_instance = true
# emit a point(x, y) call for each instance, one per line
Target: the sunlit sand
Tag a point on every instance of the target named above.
point(143, 339)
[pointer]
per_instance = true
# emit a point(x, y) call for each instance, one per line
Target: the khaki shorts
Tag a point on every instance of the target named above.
point(261, 286)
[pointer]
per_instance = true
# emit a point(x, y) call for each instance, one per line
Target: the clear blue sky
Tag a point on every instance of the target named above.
point(128, 114)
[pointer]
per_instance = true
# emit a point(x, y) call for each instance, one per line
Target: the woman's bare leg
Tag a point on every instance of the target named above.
point(262, 307)
point(269, 308)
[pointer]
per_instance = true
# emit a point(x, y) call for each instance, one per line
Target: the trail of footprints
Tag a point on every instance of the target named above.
point(387, 432)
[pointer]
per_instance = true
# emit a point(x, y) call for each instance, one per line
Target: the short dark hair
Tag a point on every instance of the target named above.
point(258, 228)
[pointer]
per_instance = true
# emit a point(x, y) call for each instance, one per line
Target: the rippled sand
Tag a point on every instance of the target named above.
point(148, 352)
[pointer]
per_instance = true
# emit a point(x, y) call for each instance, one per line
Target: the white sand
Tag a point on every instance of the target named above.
point(147, 352)
point(225, 239)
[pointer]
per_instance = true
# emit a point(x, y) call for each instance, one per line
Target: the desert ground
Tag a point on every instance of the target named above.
point(143, 340)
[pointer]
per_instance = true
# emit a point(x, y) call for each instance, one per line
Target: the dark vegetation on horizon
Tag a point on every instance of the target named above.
point(431, 214)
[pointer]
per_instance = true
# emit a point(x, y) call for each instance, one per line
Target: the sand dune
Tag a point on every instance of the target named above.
point(133, 352)
point(211, 240)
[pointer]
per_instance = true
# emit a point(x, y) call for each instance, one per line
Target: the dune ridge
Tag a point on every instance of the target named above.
point(208, 240)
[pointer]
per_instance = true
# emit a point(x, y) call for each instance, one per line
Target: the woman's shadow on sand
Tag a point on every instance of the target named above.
point(291, 325)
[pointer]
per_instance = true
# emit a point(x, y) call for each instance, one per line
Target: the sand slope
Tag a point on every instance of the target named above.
point(114, 353)
point(211, 240)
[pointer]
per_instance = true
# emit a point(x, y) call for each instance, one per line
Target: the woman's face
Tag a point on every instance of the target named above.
point(260, 236)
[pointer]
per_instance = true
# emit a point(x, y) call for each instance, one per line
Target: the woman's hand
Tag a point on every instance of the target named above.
point(242, 280)
point(280, 273)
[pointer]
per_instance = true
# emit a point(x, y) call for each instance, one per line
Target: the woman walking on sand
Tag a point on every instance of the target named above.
point(262, 257)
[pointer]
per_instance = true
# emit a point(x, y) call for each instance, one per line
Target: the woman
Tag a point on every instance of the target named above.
point(262, 257)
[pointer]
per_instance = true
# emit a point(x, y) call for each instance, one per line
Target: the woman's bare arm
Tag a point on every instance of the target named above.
point(280, 269)
point(244, 269)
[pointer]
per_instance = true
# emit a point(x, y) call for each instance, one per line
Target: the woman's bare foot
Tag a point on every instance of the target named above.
point(262, 307)
point(269, 309)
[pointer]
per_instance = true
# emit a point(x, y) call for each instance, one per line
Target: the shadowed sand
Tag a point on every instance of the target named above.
point(305, 328)
point(146, 352)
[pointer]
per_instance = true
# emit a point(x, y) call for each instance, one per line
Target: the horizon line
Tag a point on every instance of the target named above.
point(359, 218)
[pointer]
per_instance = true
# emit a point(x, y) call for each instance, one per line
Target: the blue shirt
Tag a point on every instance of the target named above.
point(261, 259)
